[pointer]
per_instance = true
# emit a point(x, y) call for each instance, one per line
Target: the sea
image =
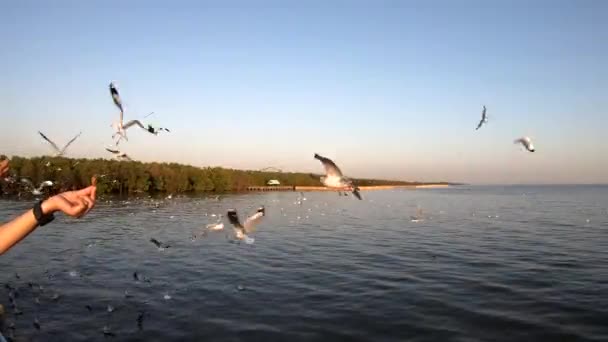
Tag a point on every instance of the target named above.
point(464, 263)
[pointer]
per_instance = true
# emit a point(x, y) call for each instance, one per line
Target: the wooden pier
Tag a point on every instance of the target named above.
point(271, 188)
point(363, 188)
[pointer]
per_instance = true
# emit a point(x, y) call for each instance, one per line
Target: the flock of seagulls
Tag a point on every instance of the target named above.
point(333, 178)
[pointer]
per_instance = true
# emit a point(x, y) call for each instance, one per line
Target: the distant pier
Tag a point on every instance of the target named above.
point(271, 188)
point(322, 188)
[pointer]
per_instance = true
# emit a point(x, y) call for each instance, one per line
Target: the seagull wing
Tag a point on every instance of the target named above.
point(46, 184)
point(233, 217)
point(483, 118)
point(70, 142)
point(112, 151)
point(50, 142)
point(27, 182)
point(331, 169)
point(116, 98)
point(133, 122)
point(253, 220)
point(526, 142)
point(357, 193)
point(156, 242)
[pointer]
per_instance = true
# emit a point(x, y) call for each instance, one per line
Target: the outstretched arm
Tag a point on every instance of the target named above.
point(3, 167)
point(71, 203)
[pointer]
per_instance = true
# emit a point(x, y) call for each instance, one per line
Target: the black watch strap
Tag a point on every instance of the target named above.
point(42, 218)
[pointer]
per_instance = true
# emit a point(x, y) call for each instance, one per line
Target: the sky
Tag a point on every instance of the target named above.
point(387, 89)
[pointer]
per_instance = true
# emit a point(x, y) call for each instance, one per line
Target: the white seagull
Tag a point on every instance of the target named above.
point(526, 142)
point(334, 179)
point(120, 128)
point(36, 191)
point(119, 155)
point(241, 230)
point(59, 152)
point(484, 118)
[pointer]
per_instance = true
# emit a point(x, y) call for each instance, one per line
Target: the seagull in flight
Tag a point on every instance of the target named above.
point(119, 155)
point(484, 118)
point(36, 191)
point(59, 152)
point(241, 230)
point(526, 142)
point(334, 179)
point(120, 127)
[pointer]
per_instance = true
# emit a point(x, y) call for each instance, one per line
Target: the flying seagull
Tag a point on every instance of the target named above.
point(526, 142)
point(484, 118)
point(119, 155)
point(241, 230)
point(120, 127)
point(36, 191)
point(334, 179)
point(59, 152)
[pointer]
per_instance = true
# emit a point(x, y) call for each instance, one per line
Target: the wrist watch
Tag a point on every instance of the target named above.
point(41, 217)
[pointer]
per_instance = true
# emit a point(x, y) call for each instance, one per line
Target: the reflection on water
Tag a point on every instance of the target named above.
point(485, 263)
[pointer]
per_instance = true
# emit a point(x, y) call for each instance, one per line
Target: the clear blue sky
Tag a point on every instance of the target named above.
point(388, 89)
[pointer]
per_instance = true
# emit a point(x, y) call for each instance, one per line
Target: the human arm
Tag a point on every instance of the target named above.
point(72, 203)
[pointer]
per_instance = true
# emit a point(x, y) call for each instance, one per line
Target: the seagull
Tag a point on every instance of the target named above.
point(140, 320)
point(159, 244)
point(36, 323)
point(59, 152)
point(36, 191)
point(484, 118)
point(119, 155)
point(120, 127)
point(241, 230)
point(108, 332)
point(334, 179)
point(418, 217)
point(526, 142)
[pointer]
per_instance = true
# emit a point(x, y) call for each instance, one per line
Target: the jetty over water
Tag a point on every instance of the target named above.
point(365, 188)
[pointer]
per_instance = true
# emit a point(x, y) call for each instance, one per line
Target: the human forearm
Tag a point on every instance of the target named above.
point(14, 231)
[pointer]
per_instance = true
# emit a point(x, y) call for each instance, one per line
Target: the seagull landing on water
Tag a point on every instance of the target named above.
point(59, 152)
point(119, 155)
point(334, 179)
point(36, 191)
point(241, 230)
point(526, 143)
point(484, 118)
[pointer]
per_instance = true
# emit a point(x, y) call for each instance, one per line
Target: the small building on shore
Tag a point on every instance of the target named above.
point(273, 182)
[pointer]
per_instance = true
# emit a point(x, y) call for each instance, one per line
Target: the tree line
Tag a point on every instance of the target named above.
point(128, 177)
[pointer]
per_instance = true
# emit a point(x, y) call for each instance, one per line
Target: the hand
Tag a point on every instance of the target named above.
point(4, 168)
point(72, 203)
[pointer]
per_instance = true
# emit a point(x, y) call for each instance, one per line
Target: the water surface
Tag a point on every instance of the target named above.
point(486, 263)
